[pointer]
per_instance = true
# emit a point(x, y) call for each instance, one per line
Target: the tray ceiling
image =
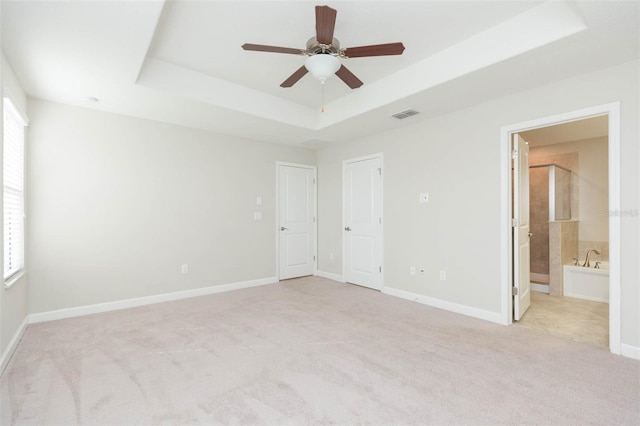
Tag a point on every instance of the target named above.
point(181, 61)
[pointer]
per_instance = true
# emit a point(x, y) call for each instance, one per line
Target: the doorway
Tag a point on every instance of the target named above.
point(362, 221)
point(510, 269)
point(569, 238)
point(296, 225)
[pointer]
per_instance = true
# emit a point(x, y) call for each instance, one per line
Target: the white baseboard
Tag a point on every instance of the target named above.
point(147, 300)
point(539, 278)
point(330, 276)
point(630, 351)
point(13, 344)
point(447, 306)
point(540, 288)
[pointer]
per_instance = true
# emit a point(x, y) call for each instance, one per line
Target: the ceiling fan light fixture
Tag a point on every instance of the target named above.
point(324, 52)
point(322, 66)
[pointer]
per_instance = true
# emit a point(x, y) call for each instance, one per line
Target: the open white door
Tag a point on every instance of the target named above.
point(297, 243)
point(362, 191)
point(521, 234)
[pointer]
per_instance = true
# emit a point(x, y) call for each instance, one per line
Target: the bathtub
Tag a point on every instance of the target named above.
point(587, 283)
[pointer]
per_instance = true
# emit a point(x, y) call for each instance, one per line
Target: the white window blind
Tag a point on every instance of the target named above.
point(13, 179)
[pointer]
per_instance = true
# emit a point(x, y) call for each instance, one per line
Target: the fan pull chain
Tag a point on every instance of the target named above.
point(322, 85)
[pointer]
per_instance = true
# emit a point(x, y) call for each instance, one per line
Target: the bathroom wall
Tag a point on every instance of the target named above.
point(563, 239)
point(589, 161)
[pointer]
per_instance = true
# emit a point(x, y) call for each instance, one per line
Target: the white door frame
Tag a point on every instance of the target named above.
point(379, 156)
point(315, 213)
point(612, 110)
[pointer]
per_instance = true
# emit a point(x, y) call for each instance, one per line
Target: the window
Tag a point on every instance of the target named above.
point(13, 179)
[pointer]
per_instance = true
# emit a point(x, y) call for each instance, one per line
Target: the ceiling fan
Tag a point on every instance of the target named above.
point(324, 52)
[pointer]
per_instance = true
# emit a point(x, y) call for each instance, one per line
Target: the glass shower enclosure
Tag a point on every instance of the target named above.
point(550, 197)
point(556, 182)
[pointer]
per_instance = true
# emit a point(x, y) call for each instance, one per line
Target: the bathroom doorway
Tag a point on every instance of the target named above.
point(568, 169)
point(568, 198)
point(573, 155)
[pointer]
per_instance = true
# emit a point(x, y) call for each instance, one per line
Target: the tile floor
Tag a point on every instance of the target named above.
point(577, 319)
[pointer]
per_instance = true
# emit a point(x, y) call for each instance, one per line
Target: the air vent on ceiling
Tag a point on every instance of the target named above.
point(405, 114)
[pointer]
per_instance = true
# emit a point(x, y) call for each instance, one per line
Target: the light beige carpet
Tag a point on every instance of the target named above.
point(309, 351)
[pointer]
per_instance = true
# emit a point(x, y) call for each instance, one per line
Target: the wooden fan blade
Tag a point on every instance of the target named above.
point(374, 50)
point(293, 79)
point(325, 24)
point(276, 49)
point(348, 77)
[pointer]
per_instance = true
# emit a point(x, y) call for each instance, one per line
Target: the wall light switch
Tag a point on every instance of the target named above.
point(412, 270)
point(258, 200)
point(424, 197)
point(257, 216)
point(184, 268)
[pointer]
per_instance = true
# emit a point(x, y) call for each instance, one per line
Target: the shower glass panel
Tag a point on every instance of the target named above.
point(549, 201)
point(539, 221)
point(556, 181)
point(559, 193)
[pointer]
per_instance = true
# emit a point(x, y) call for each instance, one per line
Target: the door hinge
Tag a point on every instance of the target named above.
point(314, 180)
point(314, 219)
point(380, 221)
point(380, 171)
point(314, 258)
point(379, 268)
point(514, 291)
point(514, 154)
point(514, 222)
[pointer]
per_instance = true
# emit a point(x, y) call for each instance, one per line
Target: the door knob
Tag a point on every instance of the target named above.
point(282, 228)
point(347, 229)
point(530, 234)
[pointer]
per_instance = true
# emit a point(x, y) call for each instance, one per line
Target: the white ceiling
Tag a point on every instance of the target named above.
point(181, 62)
point(578, 130)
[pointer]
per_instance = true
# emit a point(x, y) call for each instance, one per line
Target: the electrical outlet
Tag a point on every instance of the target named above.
point(443, 275)
point(184, 268)
point(412, 270)
point(422, 272)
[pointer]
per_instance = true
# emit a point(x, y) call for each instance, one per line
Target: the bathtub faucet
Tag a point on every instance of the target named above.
point(586, 260)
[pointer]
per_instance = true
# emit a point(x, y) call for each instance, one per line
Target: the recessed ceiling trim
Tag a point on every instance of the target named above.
point(191, 84)
point(63, 51)
point(537, 27)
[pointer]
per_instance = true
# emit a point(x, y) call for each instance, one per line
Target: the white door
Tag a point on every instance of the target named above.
point(521, 234)
point(297, 242)
point(362, 192)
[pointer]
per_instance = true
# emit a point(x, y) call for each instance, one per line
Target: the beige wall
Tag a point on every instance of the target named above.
point(456, 159)
point(13, 300)
point(117, 204)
